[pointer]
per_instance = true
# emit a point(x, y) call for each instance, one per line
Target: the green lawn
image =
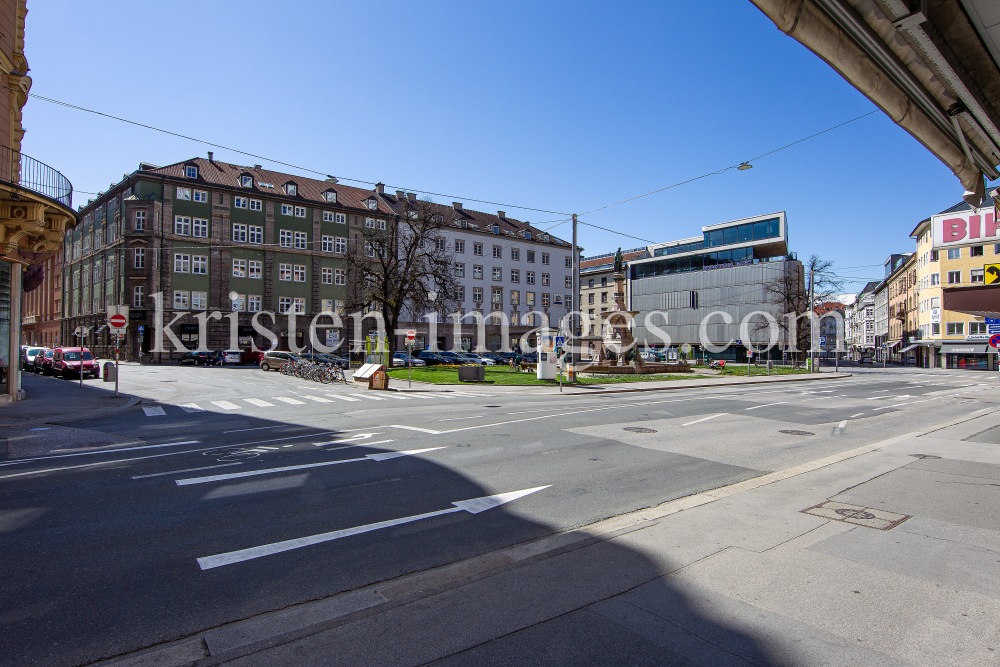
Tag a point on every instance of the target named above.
point(503, 375)
point(741, 369)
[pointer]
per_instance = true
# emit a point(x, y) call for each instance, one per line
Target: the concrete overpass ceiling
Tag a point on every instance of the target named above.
point(930, 65)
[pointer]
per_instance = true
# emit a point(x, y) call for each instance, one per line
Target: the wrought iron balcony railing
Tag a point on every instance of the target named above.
point(27, 172)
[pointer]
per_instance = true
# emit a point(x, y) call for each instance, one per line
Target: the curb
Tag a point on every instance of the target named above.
point(78, 415)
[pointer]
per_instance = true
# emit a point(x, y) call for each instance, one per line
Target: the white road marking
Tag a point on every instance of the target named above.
point(397, 396)
point(290, 401)
point(176, 472)
point(382, 456)
point(191, 407)
point(455, 419)
point(473, 506)
point(318, 399)
point(857, 415)
point(226, 405)
point(416, 428)
point(373, 398)
point(343, 398)
point(107, 451)
point(704, 419)
point(766, 405)
point(423, 396)
point(260, 403)
point(154, 411)
point(258, 428)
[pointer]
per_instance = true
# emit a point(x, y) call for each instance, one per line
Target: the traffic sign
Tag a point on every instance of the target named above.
point(142, 328)
point(995, 341)
point(992, 274)
point(822, 340)
point(117, 320)
point(560, 341)
point(992, 320)
point(411, 334)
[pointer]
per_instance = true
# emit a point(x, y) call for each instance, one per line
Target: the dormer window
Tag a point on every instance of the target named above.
point(527, 234)
point(291, 189)
point(412, 215)
point(372, 203)
point(246, 180)
point(496, 229)
point(330, 196)
point(191, 171)
point(463, 224)
point(545, 237)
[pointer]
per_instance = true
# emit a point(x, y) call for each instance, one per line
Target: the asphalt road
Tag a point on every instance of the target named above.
point(255, 491)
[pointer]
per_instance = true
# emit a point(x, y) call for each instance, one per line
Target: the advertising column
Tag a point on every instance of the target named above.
point(546, 368)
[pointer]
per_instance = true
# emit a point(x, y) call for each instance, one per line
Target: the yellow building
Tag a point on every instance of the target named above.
point(951, 338)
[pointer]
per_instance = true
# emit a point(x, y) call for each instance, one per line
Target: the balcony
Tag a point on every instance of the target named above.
point(28, 173)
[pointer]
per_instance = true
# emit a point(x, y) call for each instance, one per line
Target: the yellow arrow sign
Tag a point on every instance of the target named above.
point(992, 274)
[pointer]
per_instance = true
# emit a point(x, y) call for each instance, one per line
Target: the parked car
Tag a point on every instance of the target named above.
point(474, 358)
point(497, 359)
point(195, 358)
point(329, 359)
point(28, 355)
point(251, 357)
point(71, 361)
point(530, 358)
point(866, 360)
point(453, 357)
point(43, 362)
point(402, 359)
point(435, 358)
point(337, 360)
point(273, 360)
point(232, 357)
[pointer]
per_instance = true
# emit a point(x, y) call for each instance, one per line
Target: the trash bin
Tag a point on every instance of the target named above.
point(109, 371)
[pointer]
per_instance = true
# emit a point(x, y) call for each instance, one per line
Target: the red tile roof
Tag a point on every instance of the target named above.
point(610, 259)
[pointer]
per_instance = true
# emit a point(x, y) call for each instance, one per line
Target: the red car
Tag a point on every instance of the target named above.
point(66, 361)
point(251, 357)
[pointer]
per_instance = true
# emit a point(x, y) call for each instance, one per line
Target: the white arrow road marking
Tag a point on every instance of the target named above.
point(473, 506)
point(260, 403)
point(343, 398)
point(383, 456)
point(191, 407)
point(766, 405)
point(704, 419)
point(226, 405)
point(154, 412)
point(290, 401)
point(416, 428)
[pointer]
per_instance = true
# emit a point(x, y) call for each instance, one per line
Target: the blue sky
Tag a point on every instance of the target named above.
point(563, 106)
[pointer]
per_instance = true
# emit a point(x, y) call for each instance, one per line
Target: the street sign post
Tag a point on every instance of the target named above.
point(995, 341)
point(411, 336)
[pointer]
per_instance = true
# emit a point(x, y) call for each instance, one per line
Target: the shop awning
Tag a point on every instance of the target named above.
point(892, 344)
point(968, 348)
point(909, 347)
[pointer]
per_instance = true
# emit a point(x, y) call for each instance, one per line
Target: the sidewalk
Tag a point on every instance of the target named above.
point(898, 568)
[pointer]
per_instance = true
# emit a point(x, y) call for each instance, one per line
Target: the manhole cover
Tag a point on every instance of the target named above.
point(793, 432)
point(854, 514)
point(640, 429)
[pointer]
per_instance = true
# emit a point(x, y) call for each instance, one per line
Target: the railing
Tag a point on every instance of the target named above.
point(27, 172)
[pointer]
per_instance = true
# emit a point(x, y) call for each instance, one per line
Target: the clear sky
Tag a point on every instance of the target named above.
point(564, 106)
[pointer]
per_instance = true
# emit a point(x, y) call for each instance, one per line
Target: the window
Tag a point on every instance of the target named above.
point(515, 254)
point(531, 256)
point(256, 234)
point(459, 270)
point(300, 240)
point(284, 304)
point(199, 300)
point(182, 263)
point(935, 302)
point(300, 211)
point(140, 220)
point(497, 252)
point(340, 276)
point(340, 245)
point(569, 262)
point(199, 228)
point(936, 329)
point(369, 249)
point(515, 275)
point(239, 303)
point(239, 233)
point(977, 329)
point(497, 296)
point(477, 249)
point(515, 297)
point(977, 276)
point(529, 277)
point(996, 248)
point(200, 195)
point(497, 274)
point(477, 294)
point(569, 282)
point(477, 272)
point(199, 264)
point(253, 303)
point(604, 281)
point(590, 283)
point(327, 244)
point(97, 271)
point(370, 223)
point(976, 251)
point(182, 225)
point(138, 296)
point(138, 258)
point(300, 273)
point(545, 300)
point(246, 181)
point(284, 272)
point(291, 189)
point(935, 279)
point(327, 305)
point(954, 277)
point(529, 298)
point(239, 268)
point(254, 268)
point(191, 172)
point(590, 298)
point(569, 302)
point(372, 203)
point(545, 279)
point(255, 205)
point(327, 216)
point(459, 246)
point(181, 299)
point(330, 196)
point(285, 238)
point(545, 258)
point(955, 329)
point(287, 209)
point(327, 276)
point(184, 193)
point(299, 305)
point(604, 297)
point(460, 293)
point(342, 218)
point(954, 253)
point(109, 272)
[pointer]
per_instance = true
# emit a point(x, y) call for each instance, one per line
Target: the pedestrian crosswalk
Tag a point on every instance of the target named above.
point(237, 404)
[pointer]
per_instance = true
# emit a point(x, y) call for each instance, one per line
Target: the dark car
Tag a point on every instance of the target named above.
point(530, 358)
point(336, 360)
point(200, 358)
point(435, 359)
point(404, 359)
point(71, 361)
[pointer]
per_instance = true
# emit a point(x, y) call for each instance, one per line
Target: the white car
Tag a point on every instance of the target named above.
point(231, 357)
point(476, 359)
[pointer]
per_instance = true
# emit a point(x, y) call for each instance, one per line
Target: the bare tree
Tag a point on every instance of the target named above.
point(789, 295)
point(403, 270)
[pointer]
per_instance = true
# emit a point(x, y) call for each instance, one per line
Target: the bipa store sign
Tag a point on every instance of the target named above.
point(965, 227)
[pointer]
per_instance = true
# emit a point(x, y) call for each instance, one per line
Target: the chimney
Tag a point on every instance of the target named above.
point(412, 196)
point(400, 195)
point(257, 166)
point(331, 179)
point(457, 205)
point(210, 156)
point(380, 188)
point(501, 215)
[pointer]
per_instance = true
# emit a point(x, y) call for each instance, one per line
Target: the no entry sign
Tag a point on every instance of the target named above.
point(117, 320)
